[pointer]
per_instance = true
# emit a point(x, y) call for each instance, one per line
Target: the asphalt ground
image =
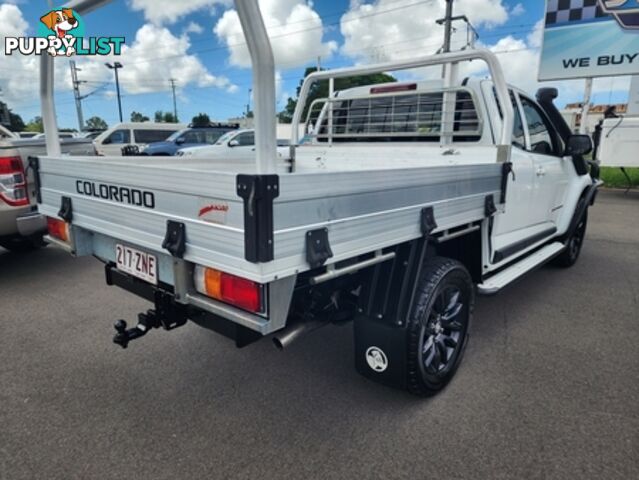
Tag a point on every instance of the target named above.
point(549, 387)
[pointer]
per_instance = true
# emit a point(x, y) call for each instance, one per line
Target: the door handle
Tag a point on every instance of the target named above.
point(541, 171)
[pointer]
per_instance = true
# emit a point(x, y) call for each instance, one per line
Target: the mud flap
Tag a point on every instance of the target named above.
point(380, 351)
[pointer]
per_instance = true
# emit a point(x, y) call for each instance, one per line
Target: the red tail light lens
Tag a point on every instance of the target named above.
point(13, 182)
point(58, 229)
point(227, 288)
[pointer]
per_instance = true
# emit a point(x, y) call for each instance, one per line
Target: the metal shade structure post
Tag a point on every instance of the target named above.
point(49, 120)
point(261, 52)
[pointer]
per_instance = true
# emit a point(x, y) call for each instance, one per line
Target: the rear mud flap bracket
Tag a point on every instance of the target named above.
point(175, 238)
point(318, 247)
point(66, 209)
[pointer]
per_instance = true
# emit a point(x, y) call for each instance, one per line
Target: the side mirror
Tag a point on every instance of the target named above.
point(234, 143)
point(179, 141)
point(578, 145)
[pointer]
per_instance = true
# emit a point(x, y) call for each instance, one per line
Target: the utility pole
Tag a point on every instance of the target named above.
point(583, 126)
point(76, 94)
point(116, 66)
point(319, 63)
point(248, 103)
point(448, 26)
point(172, 80)
point(449, 76)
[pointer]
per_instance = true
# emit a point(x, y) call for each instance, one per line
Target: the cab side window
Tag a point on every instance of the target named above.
point(541, 141)
point(151, 136)
point(246, 139)
point(192, 137)
point(118, 137)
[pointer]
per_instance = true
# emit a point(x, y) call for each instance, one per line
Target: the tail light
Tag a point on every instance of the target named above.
point(13, 182)
point(236, 291)
point(58, 229)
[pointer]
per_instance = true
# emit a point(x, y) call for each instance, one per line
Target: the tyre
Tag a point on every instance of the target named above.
point(570, 255)
point(21, 244)
point(438, 326)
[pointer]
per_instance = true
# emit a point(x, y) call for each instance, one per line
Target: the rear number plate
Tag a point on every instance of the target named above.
point(139, 264)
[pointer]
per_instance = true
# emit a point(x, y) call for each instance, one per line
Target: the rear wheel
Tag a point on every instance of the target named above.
point(438, 328)
point(570, 255)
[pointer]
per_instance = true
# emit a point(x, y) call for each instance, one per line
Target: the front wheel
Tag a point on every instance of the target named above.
point(570, 255)
point(438, 327)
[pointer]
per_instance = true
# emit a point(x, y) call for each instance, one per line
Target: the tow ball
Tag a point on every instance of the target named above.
point(166, 314)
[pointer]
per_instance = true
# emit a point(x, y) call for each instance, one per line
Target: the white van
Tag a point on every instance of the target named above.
point(110, 142)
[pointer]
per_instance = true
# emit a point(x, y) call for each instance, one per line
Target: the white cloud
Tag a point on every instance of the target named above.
point(170, 11)
point(385, 31)
point(12, 23)
point(295, 30)
point(193, 27)
point(518, 10)
point(18, 74)
point(155, 56)
point(536, 37)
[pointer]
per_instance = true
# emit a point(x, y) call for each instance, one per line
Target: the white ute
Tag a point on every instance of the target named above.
point(21, 229)
point(235, 146)
point(404, 201)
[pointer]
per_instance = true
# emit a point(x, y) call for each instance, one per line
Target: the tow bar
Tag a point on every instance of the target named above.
point(167, 314)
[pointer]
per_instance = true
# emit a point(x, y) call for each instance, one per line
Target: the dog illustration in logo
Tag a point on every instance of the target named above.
point(61, 22)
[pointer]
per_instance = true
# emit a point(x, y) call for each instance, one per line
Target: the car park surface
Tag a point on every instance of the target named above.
point(548, 390)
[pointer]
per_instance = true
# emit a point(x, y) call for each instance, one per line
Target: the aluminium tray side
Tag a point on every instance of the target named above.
point(363, 210)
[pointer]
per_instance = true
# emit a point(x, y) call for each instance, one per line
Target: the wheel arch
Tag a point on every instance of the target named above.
point(466, 249)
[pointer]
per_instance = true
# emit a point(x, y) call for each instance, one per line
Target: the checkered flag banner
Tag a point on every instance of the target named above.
point(566, 11)
point(563, 12)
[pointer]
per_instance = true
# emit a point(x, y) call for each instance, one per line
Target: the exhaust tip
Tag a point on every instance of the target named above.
point(278, 344)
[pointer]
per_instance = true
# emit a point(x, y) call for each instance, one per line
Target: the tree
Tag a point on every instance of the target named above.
point(96, 123)
point(201, 119)
point(165, 117)
point(320, 90)
point(139, 117)
point(16, 124)
point(35, 125)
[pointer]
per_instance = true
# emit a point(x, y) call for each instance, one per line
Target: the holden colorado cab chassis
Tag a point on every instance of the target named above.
point(405, 200)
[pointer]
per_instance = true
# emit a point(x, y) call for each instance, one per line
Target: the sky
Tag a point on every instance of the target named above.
point(200, 44)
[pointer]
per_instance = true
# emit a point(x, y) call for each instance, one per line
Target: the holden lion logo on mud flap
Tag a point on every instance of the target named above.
point(61, 33)
point(376, 359)
point(626, 12)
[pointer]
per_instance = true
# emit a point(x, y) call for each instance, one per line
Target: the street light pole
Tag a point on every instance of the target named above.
point(116, 66)
point(172, 81)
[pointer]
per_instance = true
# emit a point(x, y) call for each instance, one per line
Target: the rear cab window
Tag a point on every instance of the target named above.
point(415, 117)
